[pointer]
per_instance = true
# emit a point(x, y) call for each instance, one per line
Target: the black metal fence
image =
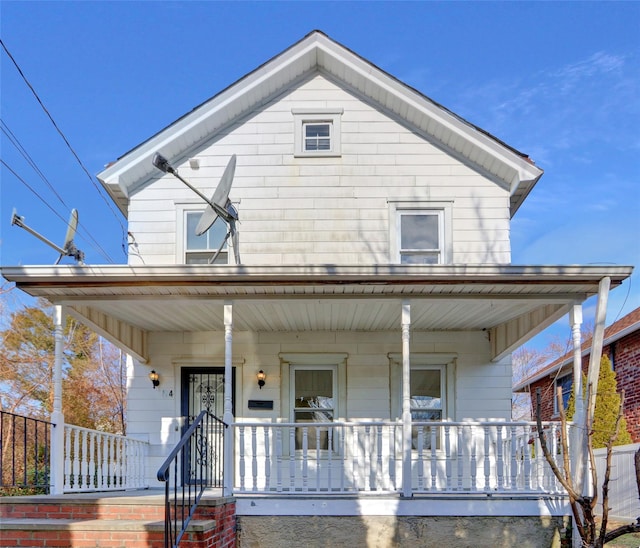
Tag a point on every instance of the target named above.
point(195, 464)
point(25, 444)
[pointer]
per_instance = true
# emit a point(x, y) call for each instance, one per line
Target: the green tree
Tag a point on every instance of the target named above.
point(607, 406)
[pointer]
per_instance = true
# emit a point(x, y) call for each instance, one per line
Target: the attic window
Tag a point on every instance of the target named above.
point(317, 132)
point(317, 136)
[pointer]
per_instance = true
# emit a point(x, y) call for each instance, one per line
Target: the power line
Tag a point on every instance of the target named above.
point(55, 125)
point(18, 145)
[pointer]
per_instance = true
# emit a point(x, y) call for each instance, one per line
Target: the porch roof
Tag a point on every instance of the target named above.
point(124, 303)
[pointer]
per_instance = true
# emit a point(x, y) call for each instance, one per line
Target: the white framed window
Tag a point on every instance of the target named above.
point(420, 232)
point(314, 392)
point(431, 393)
point(317, 132)
point(201, 249)
point(566, 384)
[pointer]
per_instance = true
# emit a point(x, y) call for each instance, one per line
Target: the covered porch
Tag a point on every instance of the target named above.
point(455, 456)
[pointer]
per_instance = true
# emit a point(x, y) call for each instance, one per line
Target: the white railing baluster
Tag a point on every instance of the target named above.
point(447, 453)
point(527, 458)
point(474, 458)
point(392, 456)
point(305, 458)
point(92, 463)
point(267, 459)
point(434, 457)
point(292, 458)
point(329, 458)
point(254, 459)
point(67, 460)
point(487, 459)
point(459, 457)
point(318, 448)
point(379, 474)
point(420, 442)
point(500, 458)
point(343, 455)
point(367, 480)
point(279, 460)
point(514, 462)
point(241, 464)
point(84, 465)
point(76, 461)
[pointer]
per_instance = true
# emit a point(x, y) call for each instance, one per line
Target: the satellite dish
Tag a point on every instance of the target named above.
point(219, 204)
point(218, 207)
point(68, 249)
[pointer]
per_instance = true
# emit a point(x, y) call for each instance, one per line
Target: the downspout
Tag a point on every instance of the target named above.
point(227, 417)
point(57, 417)
point(406, 399)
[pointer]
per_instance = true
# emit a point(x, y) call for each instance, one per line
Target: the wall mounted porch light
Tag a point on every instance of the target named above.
point(154, 378)
point(261, 378)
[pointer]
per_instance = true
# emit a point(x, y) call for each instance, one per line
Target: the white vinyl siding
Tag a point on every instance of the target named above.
point(325, 209)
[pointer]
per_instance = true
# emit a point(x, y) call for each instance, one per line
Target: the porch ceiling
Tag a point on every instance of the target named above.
point(124, 303)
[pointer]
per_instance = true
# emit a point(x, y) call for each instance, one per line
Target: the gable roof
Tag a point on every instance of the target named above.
point(318, 52)
point(623, 327)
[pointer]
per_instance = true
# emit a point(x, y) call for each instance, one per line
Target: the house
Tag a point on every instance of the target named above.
point(355, 333)
point(622, 346)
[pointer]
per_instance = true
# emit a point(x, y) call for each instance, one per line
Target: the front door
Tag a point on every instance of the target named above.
point(202, 388)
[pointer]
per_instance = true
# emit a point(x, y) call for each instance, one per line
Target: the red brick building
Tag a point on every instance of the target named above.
point(622, 346)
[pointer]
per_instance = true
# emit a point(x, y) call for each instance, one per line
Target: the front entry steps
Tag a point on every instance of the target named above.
point(125, 520)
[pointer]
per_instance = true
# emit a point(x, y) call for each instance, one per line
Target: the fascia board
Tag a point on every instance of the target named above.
point(534, 275)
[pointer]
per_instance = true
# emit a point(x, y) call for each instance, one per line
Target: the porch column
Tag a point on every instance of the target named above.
point(578, 454)
point(227, 417)
point(57, 432)
point(406, 400)
point(594, 364)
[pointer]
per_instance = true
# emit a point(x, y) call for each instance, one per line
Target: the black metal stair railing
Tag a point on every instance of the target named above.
point(195, 464)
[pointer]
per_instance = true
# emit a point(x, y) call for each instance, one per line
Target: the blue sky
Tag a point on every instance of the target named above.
point(559, 81)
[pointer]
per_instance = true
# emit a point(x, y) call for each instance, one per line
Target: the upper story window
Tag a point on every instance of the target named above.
point(420, 233)
point(317, 132)
point(201, 249)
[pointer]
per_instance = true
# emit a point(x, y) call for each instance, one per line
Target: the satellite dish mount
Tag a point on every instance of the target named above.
point(219, 206)
point(68, 249)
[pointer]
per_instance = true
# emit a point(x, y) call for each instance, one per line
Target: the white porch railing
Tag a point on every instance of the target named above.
point(446, 457)
point(98, 461)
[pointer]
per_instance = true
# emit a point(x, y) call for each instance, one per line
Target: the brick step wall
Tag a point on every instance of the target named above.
point(132, 521)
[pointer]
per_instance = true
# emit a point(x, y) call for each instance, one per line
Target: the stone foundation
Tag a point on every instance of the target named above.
point(400, 531)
